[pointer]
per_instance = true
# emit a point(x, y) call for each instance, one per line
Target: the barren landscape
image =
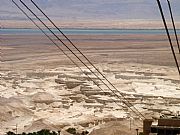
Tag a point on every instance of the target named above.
point(40, 88)
point(96, 24)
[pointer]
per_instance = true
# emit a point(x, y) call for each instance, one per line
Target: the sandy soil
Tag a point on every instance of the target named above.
point(41, 88)
point(121, 24)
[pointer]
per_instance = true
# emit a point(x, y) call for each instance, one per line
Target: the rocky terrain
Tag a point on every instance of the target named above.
point(63, 97)
point(40, 90)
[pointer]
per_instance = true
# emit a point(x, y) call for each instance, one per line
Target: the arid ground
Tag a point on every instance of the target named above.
point(41, 88)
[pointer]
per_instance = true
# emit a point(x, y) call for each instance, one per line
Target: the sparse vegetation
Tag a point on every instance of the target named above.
point(71, 131)
point(74, 132)
point(41, 132)
point(141, 133)
point(48, 132)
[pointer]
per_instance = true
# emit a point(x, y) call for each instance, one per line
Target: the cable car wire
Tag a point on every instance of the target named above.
point(85, 57)
point(59, 48)
point(168, 35)
point(174, 26)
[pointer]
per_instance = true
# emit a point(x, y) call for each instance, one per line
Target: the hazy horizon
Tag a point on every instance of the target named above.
point(93, 10)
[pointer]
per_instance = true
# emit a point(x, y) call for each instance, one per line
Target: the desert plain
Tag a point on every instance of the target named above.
point(41, 88)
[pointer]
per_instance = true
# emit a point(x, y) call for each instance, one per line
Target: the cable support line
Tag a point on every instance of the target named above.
point(71, 59)
point(168, 34)
point(64, 52)
point(84, 56)
point(128, 104)
point(174, 26)
point(67, 55)
point(76, 55)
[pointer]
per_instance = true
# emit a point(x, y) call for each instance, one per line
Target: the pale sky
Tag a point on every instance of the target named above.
point(94, 9)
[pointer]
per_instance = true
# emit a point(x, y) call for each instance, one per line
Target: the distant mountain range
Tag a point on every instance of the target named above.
point(107, 10)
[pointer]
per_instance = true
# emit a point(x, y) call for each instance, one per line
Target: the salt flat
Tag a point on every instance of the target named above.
point(41, 88)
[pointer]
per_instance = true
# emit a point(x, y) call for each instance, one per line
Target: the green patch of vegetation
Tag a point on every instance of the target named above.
point(74, 132)
point(48, 132)
point(41, 132)
point(71, 131)
point(141, 133)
